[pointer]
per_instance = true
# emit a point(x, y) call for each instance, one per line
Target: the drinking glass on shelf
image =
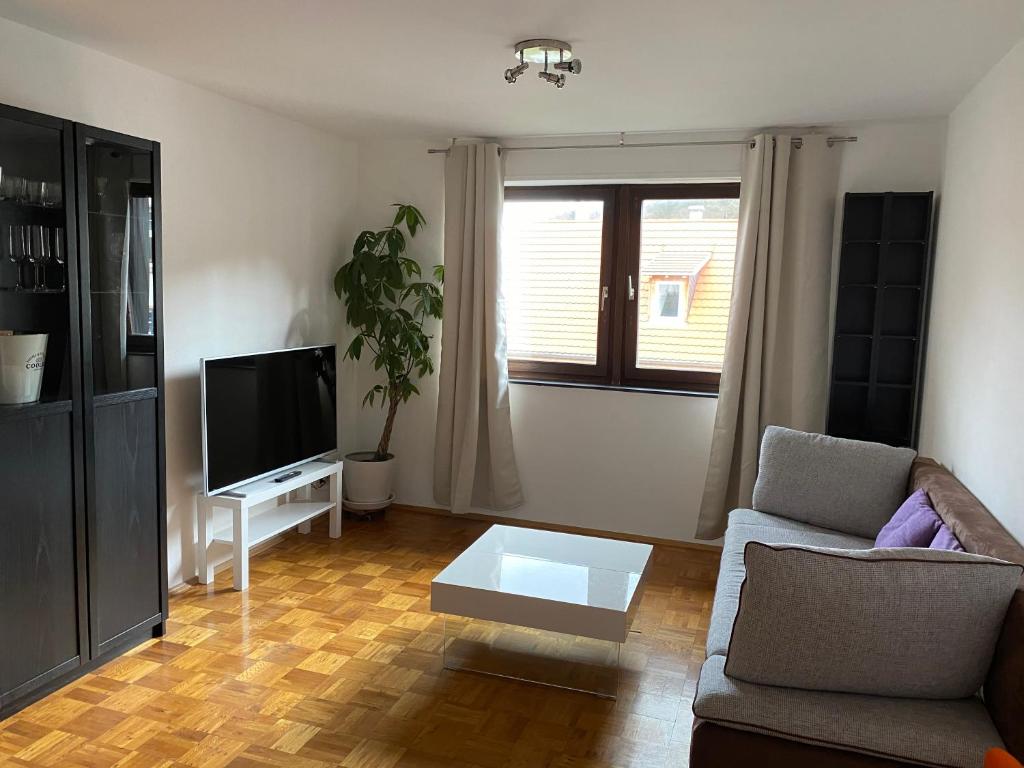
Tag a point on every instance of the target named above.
point(59, 257)
point(34, 192)
point(52, 194)
point(23, 245)
point(14, 251)
point(45, 255)
point(33, 248)
point(11, 187)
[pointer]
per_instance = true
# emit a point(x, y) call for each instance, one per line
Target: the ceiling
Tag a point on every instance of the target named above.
point(434, 68)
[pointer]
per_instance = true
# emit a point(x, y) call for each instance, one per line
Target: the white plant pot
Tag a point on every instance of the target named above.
point(365, 480)
point(22, 360)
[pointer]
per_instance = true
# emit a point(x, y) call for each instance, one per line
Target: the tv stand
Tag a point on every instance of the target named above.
point(247, 531)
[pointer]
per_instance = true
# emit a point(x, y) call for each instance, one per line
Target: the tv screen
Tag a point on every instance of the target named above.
point(265, 413)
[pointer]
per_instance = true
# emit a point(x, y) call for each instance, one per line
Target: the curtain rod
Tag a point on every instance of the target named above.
point(797, 142)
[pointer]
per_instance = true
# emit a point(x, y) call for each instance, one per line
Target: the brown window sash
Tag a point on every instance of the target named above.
point(615, 366)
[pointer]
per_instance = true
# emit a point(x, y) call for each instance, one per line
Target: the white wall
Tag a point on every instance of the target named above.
point(256, 214)
point(618, 461)
point(973, 409)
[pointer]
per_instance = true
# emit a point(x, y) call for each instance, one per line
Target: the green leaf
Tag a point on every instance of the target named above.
point(411, 267)
point(355, 348)
point(365, 241)
point(396, 241)
point(340, 282)
point(414, 219)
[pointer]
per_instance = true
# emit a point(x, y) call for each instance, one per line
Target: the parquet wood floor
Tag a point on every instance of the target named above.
point(332, 659)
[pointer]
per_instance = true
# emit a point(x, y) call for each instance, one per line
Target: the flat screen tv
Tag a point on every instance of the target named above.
point(266, 413)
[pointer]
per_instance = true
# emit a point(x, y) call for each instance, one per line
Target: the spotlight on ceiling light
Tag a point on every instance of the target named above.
point(513, 73)
point(549, 53)
point(551, 77)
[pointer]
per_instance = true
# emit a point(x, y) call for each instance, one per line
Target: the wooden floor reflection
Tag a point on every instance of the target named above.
point(545, 658)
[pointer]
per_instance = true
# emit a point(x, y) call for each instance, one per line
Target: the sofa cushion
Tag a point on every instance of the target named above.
point(945, 539)
point(768, 520)
point(918, 623)
point(953, 733)
point(848, 485)
point(914, 524)
point(731, 572)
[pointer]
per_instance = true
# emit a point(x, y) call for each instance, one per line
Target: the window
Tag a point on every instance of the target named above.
point(624, 285)
point(666, 302)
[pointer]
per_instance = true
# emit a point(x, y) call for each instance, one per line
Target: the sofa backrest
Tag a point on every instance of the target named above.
point(981, 533)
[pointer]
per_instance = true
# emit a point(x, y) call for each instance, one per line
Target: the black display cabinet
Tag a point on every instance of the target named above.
point(881, 311)
point(82, 505)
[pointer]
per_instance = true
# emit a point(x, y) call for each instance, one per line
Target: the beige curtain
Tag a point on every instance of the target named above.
point(776, 353)
point(474, 463)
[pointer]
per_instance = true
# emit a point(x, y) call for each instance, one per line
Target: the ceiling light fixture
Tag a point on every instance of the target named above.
point(512, 73)
point(556, 54)
point(551, 77)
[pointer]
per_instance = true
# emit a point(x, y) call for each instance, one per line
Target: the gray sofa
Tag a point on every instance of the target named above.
point(742, 723)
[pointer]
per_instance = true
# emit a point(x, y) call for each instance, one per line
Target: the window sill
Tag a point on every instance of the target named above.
point(612, 388)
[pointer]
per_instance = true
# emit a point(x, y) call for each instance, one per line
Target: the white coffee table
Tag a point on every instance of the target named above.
point(582, 586)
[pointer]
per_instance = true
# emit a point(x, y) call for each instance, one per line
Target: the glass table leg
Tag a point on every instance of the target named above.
point(535, 656)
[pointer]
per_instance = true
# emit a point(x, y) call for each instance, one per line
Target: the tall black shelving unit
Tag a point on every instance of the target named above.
point(881, 311)
point(82, 500)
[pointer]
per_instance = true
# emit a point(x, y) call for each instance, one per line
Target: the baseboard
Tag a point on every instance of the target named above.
point(520, 523)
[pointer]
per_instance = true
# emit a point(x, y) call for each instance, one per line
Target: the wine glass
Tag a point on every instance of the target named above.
point(33, 192)
point(45, 254)
point(14, 253)
point(33, 250)
point(11, 187)
point(52, 194)
point(23, 246)
point(58, 255)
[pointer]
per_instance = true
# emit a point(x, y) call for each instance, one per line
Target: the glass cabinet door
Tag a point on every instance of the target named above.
point(34, 299)
point(119, 196)
point(119, 220)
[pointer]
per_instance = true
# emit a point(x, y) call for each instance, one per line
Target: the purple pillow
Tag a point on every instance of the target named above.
point(914, 524)
point(945, 539)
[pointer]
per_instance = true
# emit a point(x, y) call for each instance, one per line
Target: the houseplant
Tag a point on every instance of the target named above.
point(387, 302)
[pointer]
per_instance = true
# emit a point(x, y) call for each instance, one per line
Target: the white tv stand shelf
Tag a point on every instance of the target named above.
point(247, 531)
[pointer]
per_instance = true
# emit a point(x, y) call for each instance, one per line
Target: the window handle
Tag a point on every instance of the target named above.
point(630, 293)
point(604, 296)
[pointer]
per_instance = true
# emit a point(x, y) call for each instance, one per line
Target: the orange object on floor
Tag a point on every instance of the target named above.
point(1000, 758)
